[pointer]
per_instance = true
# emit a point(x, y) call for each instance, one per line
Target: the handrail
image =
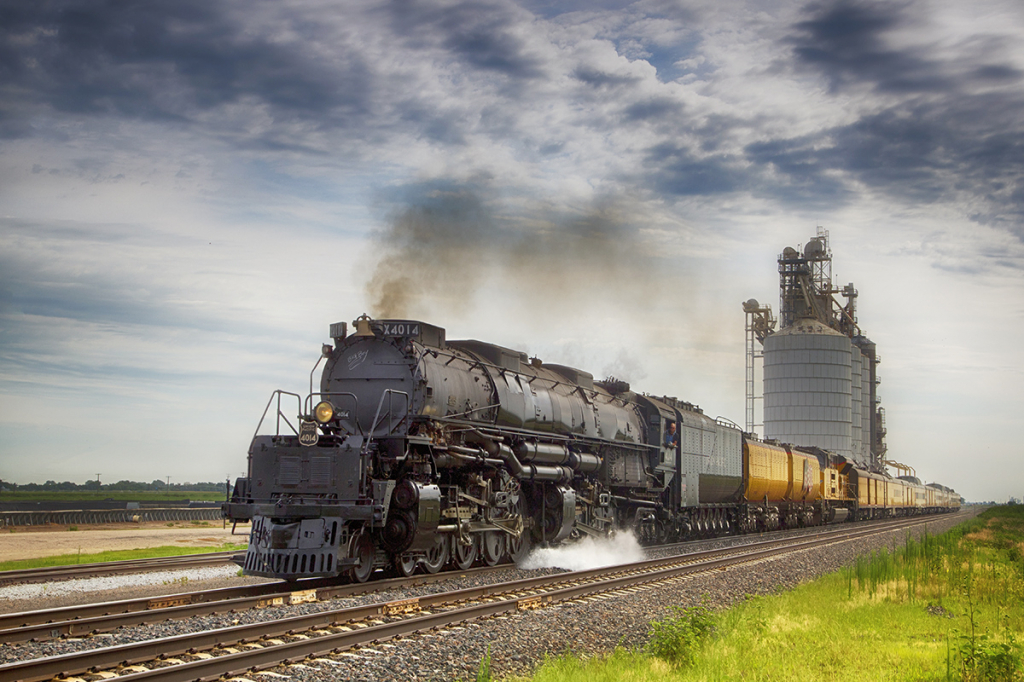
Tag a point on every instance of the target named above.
point(388, 393)
point(277, 429)
point(313, 371)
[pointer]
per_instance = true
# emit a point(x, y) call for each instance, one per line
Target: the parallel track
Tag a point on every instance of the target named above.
point(234, 650)
point(53, 573)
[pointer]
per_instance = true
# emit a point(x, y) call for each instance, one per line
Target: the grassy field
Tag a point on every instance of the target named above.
point(102, 557)
point(116, 495)
point(949, 607)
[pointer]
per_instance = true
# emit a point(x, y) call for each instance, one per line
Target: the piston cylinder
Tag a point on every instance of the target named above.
point(554, 453)
point(547, 453)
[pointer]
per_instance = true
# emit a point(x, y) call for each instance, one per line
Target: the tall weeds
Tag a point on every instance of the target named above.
point(963, 572)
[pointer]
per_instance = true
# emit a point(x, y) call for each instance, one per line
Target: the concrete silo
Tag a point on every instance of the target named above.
point(819, 370)
point(808, 387)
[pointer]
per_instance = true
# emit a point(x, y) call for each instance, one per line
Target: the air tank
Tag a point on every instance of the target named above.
point(808, 387)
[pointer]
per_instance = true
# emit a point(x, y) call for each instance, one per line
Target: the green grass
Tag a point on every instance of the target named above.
point(116, 495)
point(121, 555)
point(949, 607)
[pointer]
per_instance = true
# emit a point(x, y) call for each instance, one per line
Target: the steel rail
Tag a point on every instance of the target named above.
point(608, 578)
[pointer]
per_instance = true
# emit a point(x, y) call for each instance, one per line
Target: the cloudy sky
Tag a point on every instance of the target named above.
point(191, 192)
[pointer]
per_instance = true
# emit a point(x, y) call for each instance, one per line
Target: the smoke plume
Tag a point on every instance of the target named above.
point(428, 250)
point(446, 242)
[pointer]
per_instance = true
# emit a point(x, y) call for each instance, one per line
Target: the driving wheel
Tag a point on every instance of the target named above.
point(362, 549)
point(494, 547)
point(405, 564)
point(463, 555)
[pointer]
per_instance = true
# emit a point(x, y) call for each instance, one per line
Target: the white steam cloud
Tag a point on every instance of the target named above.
point(588, 553)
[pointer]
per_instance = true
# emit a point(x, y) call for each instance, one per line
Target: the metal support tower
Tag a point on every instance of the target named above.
point(760, 323)
point(752, 354)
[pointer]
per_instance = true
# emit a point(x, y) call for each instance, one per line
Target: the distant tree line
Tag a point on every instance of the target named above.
point(96, 486)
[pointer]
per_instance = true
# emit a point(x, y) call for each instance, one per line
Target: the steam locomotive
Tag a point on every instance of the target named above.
point(420, 452)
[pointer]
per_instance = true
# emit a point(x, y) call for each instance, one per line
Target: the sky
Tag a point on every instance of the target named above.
point(192, 192)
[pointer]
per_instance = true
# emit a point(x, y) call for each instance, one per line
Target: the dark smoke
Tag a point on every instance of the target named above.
point(430, 250)
point(446, 242)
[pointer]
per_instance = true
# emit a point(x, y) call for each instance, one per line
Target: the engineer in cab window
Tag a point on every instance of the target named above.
point(671, 437)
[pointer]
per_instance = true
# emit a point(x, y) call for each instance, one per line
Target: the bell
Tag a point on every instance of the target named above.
point(362, 324)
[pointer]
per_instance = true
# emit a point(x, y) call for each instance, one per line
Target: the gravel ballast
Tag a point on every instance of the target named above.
point(516, 643)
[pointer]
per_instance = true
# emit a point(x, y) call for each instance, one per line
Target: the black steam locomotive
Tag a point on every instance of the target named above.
point(419, 451)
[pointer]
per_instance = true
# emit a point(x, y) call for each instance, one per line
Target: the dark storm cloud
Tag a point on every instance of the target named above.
point(943, 126)
point(849, 42)
point(944, 123)
point(602, 79)
point(654, 108)
point(446, 127)
point(845, 41)
point(306, 70)
point(479, 33)
point(165, 60)
point(919, 154)
point(677, 171)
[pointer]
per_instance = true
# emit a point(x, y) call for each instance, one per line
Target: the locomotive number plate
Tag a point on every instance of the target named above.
point(401, 329)
point(307, 433)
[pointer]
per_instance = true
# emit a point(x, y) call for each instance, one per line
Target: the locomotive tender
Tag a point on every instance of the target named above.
point(419, 451)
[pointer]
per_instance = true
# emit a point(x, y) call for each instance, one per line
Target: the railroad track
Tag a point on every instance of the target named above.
point(53, 573)
point(90, 619)
point(234, 650)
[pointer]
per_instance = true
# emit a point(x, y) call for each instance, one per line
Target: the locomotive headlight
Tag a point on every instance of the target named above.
point(324, 412)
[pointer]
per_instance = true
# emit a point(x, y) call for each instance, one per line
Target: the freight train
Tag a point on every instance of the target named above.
point(418, 453)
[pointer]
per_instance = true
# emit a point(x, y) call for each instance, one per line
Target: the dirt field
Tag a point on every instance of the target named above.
point(32, 542)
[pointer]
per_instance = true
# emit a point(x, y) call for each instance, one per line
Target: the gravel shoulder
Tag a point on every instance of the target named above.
point(41, 541)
